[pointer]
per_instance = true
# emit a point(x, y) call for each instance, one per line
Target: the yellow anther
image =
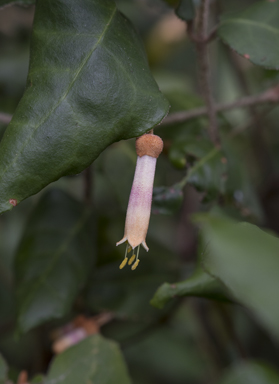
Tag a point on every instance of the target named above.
point(124, 262)
point(129, 249)
point(134, 266)
point(132, 258)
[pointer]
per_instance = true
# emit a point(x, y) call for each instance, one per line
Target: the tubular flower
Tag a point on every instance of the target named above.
point(148, 149)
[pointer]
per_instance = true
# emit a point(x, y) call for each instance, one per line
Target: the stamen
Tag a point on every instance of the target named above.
point(132, 258)
point(136, 263)
point(129, 248)
point(124, 262)
point(134, 266)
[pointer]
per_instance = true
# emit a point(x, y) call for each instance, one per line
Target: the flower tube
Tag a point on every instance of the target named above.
point(148, 149)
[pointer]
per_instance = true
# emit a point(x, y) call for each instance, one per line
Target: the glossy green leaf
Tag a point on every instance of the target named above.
point(88, 86)
point(251, 372)
point(93, 360)
point(186, 10)
point(166, 200)
point(3, 370)
point(18, 2)
point(53, 260)
point(254, 33)
point(245, 259)
point(200, 284)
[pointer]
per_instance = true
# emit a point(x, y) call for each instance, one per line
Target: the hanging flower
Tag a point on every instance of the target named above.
point(148, 149)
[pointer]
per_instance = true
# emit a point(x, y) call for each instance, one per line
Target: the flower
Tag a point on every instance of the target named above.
point(148, 149)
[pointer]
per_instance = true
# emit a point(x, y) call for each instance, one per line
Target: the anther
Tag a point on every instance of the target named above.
point(132, 258)
point(124, 262)
point(136, 263)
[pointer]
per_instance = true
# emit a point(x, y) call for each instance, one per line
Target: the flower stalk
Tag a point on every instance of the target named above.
point(148, 149)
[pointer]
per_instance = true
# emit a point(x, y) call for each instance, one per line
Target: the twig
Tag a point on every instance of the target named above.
point(5, 118)
point(269, 96)
point(204, 69)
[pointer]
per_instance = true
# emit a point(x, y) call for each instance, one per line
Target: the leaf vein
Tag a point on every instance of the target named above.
point(63, 97)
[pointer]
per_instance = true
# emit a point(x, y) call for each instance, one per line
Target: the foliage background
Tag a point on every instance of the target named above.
point(222, 326)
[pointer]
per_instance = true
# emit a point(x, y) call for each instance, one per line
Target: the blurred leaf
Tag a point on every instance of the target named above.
point(186, 10)
point(245, 259)
point(20, 2)
point(89, 85)
point(166, 200)
point(200, 284)
point(172, 3)
point(3, 370)
point(208, 172)
point(127, 293)
point(93, 360)
point(254, 33)
point(251, 372)
point(108, 291)
point(168, 356)
point(240, 183)
point(53, 260)
point(38, 379)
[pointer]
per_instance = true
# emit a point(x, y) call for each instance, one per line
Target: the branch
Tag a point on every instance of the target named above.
point(204, 68)
point(269, 96)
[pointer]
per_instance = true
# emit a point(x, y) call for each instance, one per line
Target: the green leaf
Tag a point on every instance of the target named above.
point(39, 379)
point(93, 360)
point(18, 2)
point(166, 200)
point(245, 259)
point(200, 284)
point(251, 372)
point(3, 370)
point(108, 291)
point(53, 260)
point(254, 33)
point(208, 172)
point(88, 86)
point(186, 10)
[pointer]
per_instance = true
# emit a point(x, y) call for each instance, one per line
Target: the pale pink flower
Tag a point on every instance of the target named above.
point(148, 148)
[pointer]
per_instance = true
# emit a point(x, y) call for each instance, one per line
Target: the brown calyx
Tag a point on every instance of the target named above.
point(150, 145)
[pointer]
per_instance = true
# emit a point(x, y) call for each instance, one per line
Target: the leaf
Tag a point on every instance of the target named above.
point(53, 260)
point(39, 379)
point(93, 360)
point(254, 33)
point(240, 185)
point(208, 172)
point(166, 200)
point(186, 10)
point(200, 284)
point(245, 259)
point(108, 291)
point(88, 86)
point(3, 370)
point(251, 372)
point(18, 2)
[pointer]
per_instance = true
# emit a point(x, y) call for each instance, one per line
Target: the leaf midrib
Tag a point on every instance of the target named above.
point(63, 97)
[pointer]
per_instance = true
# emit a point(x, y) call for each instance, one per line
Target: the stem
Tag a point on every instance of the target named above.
point(269, 96)
point(204, 70)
